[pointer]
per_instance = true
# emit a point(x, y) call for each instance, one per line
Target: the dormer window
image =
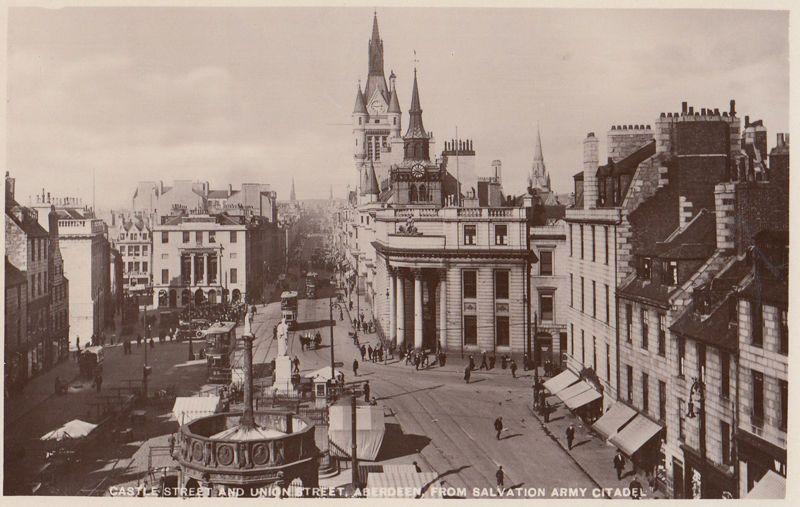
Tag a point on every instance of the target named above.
point(671, 272)
point(646, 267)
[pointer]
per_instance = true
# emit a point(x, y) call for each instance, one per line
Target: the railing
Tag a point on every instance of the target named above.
point(469, 212)
point(499, 212)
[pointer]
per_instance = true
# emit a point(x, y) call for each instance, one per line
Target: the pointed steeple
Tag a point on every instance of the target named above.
point(415, 127)
point(361, 105)
point(537, 146)
point(538, 177)
point(375, 77)
point(292, 196)
point(394, 103)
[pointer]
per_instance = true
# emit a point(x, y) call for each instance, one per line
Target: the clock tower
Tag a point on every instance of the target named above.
point(417, 180)
point(376, 114)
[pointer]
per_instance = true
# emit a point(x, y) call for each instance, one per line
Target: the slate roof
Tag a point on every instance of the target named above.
point(713, 329)
point(697, 240)
point(14, 276)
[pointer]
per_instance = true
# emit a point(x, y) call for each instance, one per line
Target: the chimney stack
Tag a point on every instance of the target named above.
point(684, 106)
point(590, 164)
point(733, 107)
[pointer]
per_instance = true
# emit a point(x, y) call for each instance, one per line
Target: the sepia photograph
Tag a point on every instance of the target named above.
point(371, 251)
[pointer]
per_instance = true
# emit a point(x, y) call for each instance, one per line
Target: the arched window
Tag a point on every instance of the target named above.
point(412, 193)
point(423, 193)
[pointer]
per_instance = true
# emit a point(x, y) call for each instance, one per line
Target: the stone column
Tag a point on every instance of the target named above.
point(392, 305)
point(443, 308)
point(400, 316)
point(417, 309)
point(191, 264)
point(205, 269)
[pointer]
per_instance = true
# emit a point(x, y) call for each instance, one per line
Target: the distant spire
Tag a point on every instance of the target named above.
point(537, 145)
point(415, 127)
point(292, 196)
point(375, 77)
point(538, 177)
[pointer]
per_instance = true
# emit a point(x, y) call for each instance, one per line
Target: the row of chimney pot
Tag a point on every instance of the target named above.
point(459, 145)
point(630, 127)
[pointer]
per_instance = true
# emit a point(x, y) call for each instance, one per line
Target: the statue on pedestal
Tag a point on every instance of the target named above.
point(283, 337)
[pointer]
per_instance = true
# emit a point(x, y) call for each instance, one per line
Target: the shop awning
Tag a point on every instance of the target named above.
point(771, 487)
point(633, 436)
point(561, 381)
point(582, 399)
point(573, 390)
point(617, 416)
point(188, 408)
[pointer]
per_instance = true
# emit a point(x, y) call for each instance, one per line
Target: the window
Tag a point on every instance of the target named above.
point(662, 335)
point(594, 250)
point(681, 356)
point(571, 290)
point(470, 284)
point(594, 353)
point(144, 266)
point(122, 249)
point(130, 265)
point(645, 330)
point(784, 331)
point(501, 284)
point(583, 347)
point(212, 237)
point(671, 272)
point(594, 299)
point(646, 262)
point(605, 241)
point(628, 322)
point(629, 378)
point(470, 233)
point(164, 237)
point(233, 236)
point(572, 339)
point(608, 363)
point(546, 307)
point(500, 234)
point(164, 276)
point(144, 235)
point(546, 263)
point(136, 266)
point(701, 362)
point(470, 330)
point(165, 256)
point(502, 330)
point(662, 401)
point(185, 236)
point(725, 380)
point(233, 275)
point(583, 298)
point(725, 434)
point(757, 414)
point(136, 250)
point(144, 249)
point(581, 241)
point(784, 386)
point(757, 319)
point(645, 392)
point(198, 236)
point(681, 413)
point(608, 306)
point(570, 240)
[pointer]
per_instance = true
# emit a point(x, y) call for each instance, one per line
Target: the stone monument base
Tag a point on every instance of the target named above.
point(283, 375)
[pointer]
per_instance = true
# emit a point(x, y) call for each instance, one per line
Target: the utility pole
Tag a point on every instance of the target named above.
point(353, 449)
point(146, 368)
point(330, 306)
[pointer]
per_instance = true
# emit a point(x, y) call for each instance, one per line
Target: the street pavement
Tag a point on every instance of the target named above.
point(446, 425)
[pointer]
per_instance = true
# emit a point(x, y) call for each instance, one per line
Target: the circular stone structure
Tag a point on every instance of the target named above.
point(221, 452)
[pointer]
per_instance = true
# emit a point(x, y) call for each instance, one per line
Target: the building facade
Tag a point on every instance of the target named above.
point(132, 237)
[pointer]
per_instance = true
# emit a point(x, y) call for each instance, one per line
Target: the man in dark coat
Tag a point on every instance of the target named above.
point(471, 363)
point(619, 464)
point(500, 476)
point(467, 373)
point(546, 411)
point(513, 368)
point(498, 426)
point(366, 391)
point(570, 436)
point(355, 367)
point(484, 365)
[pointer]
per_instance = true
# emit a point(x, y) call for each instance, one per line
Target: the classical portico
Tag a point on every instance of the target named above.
point(417, 305)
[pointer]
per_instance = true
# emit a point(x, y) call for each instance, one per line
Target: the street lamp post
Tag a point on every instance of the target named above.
point(353, 448)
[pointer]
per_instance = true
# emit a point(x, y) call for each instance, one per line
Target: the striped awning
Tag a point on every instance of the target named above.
point(615, 418)
point(561, 381)
point(582, 399)
point(573, 390)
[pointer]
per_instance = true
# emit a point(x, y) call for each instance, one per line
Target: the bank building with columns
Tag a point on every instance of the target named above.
point(439, 252)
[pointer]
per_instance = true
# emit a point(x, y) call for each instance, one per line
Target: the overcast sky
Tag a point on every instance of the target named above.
point(260, 94)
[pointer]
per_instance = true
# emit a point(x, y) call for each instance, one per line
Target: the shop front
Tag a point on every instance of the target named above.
point(756, 459)
point(704, 479)
point(640, 440)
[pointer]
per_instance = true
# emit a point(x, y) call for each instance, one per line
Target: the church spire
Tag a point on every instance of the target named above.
point(376, 80)
point(537, 146)
point(360, 106)
point(538, 177)
point(292, 197)
point(415, 127)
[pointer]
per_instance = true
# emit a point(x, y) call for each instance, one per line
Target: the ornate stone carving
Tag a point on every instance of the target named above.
point(225, 455)
point(409, 229)
point(260, 454)
point(197, 451)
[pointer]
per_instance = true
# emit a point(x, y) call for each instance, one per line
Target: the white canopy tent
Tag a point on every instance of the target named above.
point(73, 429)
point(189, 408)
point(370, 430)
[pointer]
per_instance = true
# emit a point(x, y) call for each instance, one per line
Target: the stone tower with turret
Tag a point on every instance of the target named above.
point(376, 115)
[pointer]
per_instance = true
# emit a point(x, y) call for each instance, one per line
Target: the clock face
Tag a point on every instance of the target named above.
point(418, 171)
point(376, 106)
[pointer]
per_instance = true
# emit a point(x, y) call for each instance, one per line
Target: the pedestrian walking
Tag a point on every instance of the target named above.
point(152, 344)
point(98, 382)
point(546, 411)
point(619, 464)
point(471, 363)
point(492, 360)
point(498, 426)
point(570, 436)
point(416, 467)
point(341, 315)
point(355, 367)
point(363, 351)
point(484, 365)
point(467, 373)
point(369, 352)
point(138, 340)
point(296, 363)
point(513, 368)
point(442, 358)
point(366, 391)
point(636, 489)
point(500, 475)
